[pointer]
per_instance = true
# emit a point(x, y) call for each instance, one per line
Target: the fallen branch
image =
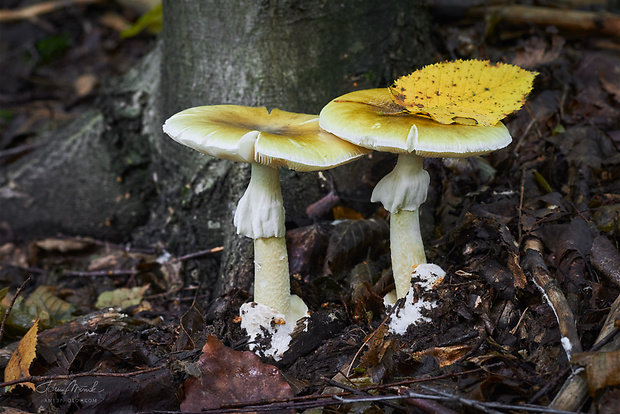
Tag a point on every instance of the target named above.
point(534, 264)
point(36, 10)
point(575, 390)
point(569, 20)
point(487, 407)
point(46, 378)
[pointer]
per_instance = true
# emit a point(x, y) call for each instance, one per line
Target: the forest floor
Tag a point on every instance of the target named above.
point(529, 237)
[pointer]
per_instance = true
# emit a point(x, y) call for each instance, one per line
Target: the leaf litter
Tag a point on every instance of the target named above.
point(495, 343)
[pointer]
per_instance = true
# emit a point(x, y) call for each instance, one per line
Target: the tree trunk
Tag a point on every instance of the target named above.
point(114, 174)
point(290, 54)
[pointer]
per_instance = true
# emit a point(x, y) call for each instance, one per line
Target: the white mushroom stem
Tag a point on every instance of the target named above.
point(402, 192)
point(272, 285)
point(260, 215)
point(407, 248)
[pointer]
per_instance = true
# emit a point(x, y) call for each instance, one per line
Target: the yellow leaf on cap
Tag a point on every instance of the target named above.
point(466, 92)
point(22, 357)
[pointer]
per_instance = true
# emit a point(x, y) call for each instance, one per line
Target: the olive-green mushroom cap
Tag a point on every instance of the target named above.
point(253, 134)
point(371, 119)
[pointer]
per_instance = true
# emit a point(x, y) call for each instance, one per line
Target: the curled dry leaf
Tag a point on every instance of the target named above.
point(602, 369)
point(22, 357)
point(232, 377)
point(446, 355)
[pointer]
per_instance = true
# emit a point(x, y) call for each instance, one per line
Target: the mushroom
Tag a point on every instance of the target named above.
point(370, 118)
point(267, 140)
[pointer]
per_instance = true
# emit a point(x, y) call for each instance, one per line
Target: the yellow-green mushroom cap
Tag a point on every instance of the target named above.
point(253, 134)
point(371, 119)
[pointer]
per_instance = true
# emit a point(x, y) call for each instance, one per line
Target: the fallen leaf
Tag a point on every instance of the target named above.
point(13, 255)
point(121, 298)
point(64, 245)
point(343, 213)
point(602, 369)
point(44, 301)
point(85, 84)
point(21, 359)
point(365, 301)
point(377, 347)
point(42, 304)
point(446, 355)
point(605, 258)
point(537, 52)
point(191, 326)
point(306, 249)
point(232, 377)
point(352, 241)
point(468, 92)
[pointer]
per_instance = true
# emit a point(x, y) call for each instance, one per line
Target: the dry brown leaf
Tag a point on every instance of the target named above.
point(22, 357)
point(352, 241)
point(232, 377)
point(85, 84)
point(602, 369)
point(446, 355)
point(63, 245)
point(343, 213)
point(378, 347)
point(306, 247)
point(13, 255)
point(537, 52)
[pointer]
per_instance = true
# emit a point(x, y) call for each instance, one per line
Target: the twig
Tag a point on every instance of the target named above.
point(46, 378)
point(119, 272)
point(575, 390)
point(133, 272)
point(8, 310)
point(488, 407)
point(356, 391)
point(34, 11)
point(533, 262)
point(430, 406)
point(198, 254)
point(570, 20)
point(313, 401)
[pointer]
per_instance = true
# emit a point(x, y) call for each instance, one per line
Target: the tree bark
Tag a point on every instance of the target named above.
point(290, 54)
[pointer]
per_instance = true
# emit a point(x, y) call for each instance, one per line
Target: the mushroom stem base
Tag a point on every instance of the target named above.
point(406, 247)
